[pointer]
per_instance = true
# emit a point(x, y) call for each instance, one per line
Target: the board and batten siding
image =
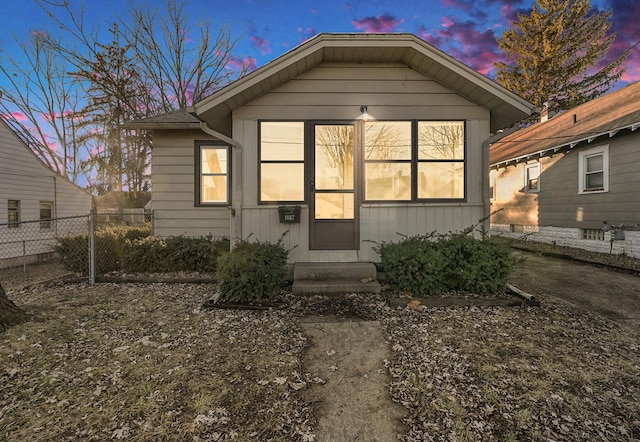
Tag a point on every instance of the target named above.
point(336, 92)
point(173, 184)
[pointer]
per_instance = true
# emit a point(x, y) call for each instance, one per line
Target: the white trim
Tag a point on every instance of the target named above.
point(582, 156)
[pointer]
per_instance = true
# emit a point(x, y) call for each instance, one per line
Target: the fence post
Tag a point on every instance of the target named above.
point(92, 247)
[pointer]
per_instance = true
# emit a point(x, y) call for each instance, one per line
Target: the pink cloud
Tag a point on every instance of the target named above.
point(49, 117)
point(18, 116)
point(307, 33)
point(261, 44)
point(381, 23)
point(248, 63)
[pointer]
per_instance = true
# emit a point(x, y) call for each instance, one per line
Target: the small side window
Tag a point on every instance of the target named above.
point(213, 175)
point(532, 178)
point(13, 214)
point(46, 214)
point(593, 170)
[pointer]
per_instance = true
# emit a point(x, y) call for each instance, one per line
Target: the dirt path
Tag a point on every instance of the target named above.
point(354, 404)
point(610, 293)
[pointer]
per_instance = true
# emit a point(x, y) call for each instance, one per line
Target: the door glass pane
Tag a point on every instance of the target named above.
point(441, 180)
point(387, 181)
point(282, 182)
point(334, 205)
point(334, 157)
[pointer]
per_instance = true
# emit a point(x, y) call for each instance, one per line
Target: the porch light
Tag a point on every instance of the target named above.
point(363, 111)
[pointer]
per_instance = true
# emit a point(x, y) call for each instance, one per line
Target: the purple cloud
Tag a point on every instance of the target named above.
point(248, 63)
point(381, 23)
point(262, 45)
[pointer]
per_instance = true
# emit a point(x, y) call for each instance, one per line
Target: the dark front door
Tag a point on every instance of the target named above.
point(334, 202)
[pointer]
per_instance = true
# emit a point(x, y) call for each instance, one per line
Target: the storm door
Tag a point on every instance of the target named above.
point(334, 201)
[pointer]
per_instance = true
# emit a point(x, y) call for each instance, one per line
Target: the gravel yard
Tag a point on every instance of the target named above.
point(147, 362)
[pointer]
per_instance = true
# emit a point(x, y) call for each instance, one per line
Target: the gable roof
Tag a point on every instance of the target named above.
point(604, 116)
point(506, 107)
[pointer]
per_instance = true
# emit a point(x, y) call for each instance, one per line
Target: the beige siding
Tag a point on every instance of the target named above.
point(173, 189)
point(336, 92)
point(559, 204)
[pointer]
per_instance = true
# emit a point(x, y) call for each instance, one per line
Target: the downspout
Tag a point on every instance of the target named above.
point(236, 181)
point(486, 197)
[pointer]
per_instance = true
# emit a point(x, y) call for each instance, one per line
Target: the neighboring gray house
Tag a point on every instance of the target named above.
point(561, 179)
point(30, 191)
point(369, 135)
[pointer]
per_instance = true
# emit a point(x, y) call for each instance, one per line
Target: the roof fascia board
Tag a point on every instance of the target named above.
point(571, 145)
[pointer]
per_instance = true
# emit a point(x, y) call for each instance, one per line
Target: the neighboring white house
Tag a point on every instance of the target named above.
point(30, 191)
point(367, 135)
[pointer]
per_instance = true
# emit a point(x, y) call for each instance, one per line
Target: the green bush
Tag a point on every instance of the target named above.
point(252, 271)
point(433, 264)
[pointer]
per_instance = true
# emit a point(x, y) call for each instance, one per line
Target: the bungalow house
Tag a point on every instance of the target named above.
point(31, 195)
point(344, 140)
point(573, 179)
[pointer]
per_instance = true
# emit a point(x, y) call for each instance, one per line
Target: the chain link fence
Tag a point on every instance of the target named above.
point(45, 249)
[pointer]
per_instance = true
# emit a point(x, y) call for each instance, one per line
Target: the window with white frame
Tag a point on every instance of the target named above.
point(593, 170)
point(46, 213)
point(13, 213)
point(532, 177)
point(213, 172)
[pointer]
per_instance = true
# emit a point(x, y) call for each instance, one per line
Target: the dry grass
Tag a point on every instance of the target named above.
point(145, 362)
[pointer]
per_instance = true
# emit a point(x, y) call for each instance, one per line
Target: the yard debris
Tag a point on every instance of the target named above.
point(144, 361)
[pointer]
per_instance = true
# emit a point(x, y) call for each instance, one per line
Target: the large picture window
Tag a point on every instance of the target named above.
point(282, 161)
point(408, 161)
point(213, 164)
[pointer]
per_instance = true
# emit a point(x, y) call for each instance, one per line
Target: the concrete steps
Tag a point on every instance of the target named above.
point(334, 278)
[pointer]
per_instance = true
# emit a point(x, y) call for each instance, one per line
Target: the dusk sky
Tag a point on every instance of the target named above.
point(465, 29)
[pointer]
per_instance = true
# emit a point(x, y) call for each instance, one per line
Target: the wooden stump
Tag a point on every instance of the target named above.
point(10, 314)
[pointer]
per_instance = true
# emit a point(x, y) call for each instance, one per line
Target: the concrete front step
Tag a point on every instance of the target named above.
point(321, 271)
point(334, 287)
point(334, 278)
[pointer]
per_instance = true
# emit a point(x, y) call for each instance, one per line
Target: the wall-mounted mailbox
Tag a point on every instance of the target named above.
point(289, 214)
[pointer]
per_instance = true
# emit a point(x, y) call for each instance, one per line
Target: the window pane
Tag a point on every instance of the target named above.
point(214, 189)
point(595, 181)
point(282, 141)
point(441, 180)
point(387, 140)
point(282, 182)
point(334, 157)
point(595, 163)
point(46, 213)
point(533, 174)
point(440, 140)
point(13, 213)
point(334, 206)
point(214, 160)
point(388, 181)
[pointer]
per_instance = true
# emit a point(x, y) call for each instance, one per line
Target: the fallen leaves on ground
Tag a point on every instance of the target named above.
point(145, 362)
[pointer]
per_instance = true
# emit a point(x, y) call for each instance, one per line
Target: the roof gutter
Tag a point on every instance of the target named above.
point(236, 181)
point(486, 197)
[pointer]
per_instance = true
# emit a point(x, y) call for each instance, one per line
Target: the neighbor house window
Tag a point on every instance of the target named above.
point(593, 234)
point(46, 213)
point(532, 177)
point(213, 172)
point(408, 161)
point(281, 161)
point(13, 213)
point(593, 170)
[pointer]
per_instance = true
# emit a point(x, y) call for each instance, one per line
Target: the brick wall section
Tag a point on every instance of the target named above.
point(572, 238)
